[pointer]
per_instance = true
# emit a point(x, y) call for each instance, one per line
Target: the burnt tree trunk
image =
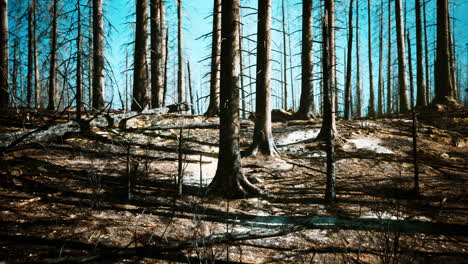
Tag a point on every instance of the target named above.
point(358, 67)
point(306, 105)
point(37, 89)
point(371, 108)
point(421, 97)
point(98, 55)
point(381, 78)
point(156, 54)
point(140, 74)
point(263, 137)
point(29, 77)
point(229, 180)
point(53, 58)
point(285, 57)
point(180, 52)
point(79, 82)
point(349, 61)
point(389, 63)
point(213, 107)
point(402, 79)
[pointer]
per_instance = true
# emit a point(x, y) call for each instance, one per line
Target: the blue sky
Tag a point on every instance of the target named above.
point(119, 13)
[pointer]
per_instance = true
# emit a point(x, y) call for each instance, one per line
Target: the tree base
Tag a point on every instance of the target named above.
point(267, 149)
point(232, 186)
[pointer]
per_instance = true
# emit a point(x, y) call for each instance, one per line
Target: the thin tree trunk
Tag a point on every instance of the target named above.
point(389, 62)
point(30, 58)
point(213, 107)
point(306, 105)
point(293, 95)
point(410, 63)
point(426, 48)
point(371, 108)
point(156, 58)
point(126, 80)
point(402, 79)
point(166, 54)
point(90, 57)
point(358, 66)
point(349, 72)
point(190, 88)
point(14, 83)
point(37, 91)
point(78, 64)
point(421, 98)
point(285, 58)
point(229, 180)
point(98, 57)
point(140, 74)
point(241, 69)
point(163, 35)
point(180, 51)
point(381, 78)
point(53, 58)
point(453, 68)
point(329, 86)
point(263, 137)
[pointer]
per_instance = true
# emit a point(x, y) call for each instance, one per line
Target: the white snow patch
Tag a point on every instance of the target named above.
point(372, 144)
point(381, 215)
point(192, 171)
point(297, 136)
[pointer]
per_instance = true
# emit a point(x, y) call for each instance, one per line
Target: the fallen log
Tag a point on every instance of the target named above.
point(210, 125)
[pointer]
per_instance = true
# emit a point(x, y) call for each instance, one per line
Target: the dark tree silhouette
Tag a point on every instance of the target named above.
point(4, 89)
point(213, 107)
point(140, 75)
point(98, 55)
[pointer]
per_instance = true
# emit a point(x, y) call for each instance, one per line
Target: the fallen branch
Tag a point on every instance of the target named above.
point(211, 125)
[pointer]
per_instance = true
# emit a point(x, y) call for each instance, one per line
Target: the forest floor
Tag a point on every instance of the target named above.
point(69, 196)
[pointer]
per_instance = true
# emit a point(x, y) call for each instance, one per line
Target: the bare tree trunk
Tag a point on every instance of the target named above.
point(53, 58)
point(213, 107)
point(293, 95)
point(410, 63)
point(166, 54)
point(140, 74)
point(402, 79)
point(421, 98)
point(241, 69)
point(229, 180)
point(285, 58)
point(389, 62)
point(453, 68)
point(349, 62)
point(98, 55)
point(126, 80)
point(156, 56)
point(180, 50)
point(329, 85)
point(358, 73)
point(14, 83)
point(371, 108)
point(306, 105)
point(442, 77)
point(30, 58)
point(381, 78)
point(163, 34)
point(190, 88)
point(78, 64)
point(263, 137)
point(428, 78)
point(37, 89)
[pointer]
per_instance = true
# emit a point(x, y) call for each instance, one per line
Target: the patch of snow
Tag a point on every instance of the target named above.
point(381, 215)
point(297, 136)
point(192, 171)
point(372, 144)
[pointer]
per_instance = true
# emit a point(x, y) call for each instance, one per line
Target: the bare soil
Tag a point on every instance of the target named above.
point(69, 197)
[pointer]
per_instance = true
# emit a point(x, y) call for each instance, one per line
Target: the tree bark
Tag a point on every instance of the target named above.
point(79, 82)
point(163, 66)
point(98, 56)
point(37, 89)
point(285, 57)
point(381, 78)
point(53, 58)
point(213, 107)
point(190, 88)
point(156, 56)
point(229, 180)
point(140, 74)
point(263, 137)
point(371, 108)
point(389, 63)
point(29, 77)
point(421, 98)
point(349, 61)
point(306, 105)
point(426, 54)
point(402, 79)
point(180, 51)
point(358, 66)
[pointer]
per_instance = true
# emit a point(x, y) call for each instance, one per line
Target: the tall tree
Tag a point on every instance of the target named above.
point(421, 97)
point(79, 83)
point(263, 136)
point(37, 88)
point(180, 51)
point(381, 78)
point(53, 57)
point(402, 79)
point(4, 72)
point(389, 62)
point(229, 180)
point(442, 69)
point(358, 67)
point(426, 55)
point(156, 56)
point(371, 108)
point(163, 66)
point(30, 77)
point(213, 107)
point(140, 74)
point(329, 81)
point(348, 89)
point(98, 55)
point(307, 105)
point(285, 56)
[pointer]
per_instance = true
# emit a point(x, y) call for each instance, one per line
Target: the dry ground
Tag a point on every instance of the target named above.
point(69, 197)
